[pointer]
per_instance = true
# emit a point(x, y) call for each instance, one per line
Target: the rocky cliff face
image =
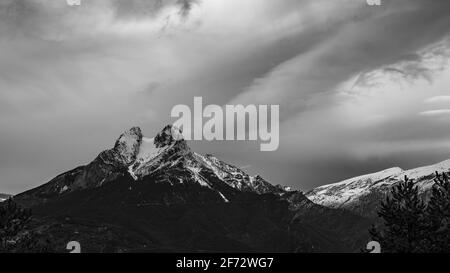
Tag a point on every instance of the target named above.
point(166, 156)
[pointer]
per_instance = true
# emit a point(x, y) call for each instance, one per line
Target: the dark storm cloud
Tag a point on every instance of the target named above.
point(43, 18)
point(143, 8)
point(386, 36)
point(72, 78)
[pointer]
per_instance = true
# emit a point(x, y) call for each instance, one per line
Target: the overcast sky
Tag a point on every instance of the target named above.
point(360, 88)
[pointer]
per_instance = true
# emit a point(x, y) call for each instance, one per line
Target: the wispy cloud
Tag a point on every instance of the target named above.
point(438, 99)
point(434, 113)
point(346, 75)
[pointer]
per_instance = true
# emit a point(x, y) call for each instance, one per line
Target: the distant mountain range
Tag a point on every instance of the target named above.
point(362, 194)
point(156, 194)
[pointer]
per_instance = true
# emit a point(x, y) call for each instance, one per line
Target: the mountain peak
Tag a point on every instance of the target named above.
point(167, 159)
point(127, 145)
point(168, 136)
point(155, 152)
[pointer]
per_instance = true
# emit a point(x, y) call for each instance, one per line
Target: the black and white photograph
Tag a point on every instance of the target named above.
point(249, 128)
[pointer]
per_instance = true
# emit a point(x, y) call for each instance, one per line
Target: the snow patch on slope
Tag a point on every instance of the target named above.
point(350, 189)
point(223, 197)
point(197, 176)
point(4, 197)
point(147, 152)
point(424, 176)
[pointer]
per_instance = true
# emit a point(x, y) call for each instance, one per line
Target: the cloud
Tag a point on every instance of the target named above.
point(382, 38)
point(438, 99)
point(348, 77)
point(433, 113)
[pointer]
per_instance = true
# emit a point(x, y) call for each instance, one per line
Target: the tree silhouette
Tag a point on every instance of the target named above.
point(15, 235)
point(438, 215)
point(411, 225)
point(13, 220)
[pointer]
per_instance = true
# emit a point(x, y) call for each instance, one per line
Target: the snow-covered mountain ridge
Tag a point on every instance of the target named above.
point(362, 194)
point(166, 158)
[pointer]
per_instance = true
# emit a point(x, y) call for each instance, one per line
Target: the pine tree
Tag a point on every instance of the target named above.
point(438, 215)
point(404, 218)
point(13, 220)
point(410, 225)
point(15, 235)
